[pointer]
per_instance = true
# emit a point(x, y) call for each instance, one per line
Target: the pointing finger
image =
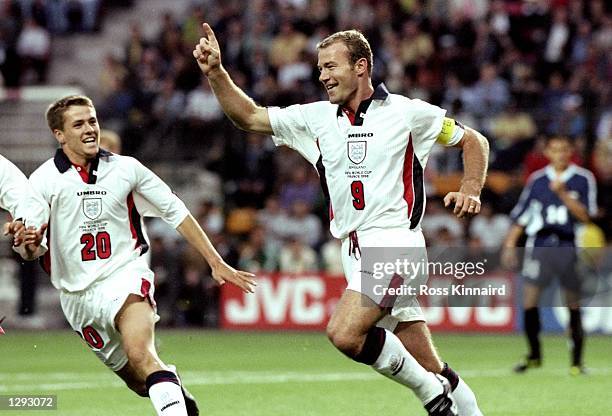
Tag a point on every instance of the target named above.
point(209, 33)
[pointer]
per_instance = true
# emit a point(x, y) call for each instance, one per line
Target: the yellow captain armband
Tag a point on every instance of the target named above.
point(452, 132)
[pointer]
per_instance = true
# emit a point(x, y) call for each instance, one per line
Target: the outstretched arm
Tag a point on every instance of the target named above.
point(221, 271)
point(475, 161)
point(238, 106)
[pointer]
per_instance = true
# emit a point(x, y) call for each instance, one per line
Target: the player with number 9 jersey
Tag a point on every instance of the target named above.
point(370, 162)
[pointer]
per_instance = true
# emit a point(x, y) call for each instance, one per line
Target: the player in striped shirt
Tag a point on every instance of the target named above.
point(370, 148)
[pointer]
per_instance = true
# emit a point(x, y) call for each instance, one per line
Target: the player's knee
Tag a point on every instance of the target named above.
point(138, 356)
point(344, 341)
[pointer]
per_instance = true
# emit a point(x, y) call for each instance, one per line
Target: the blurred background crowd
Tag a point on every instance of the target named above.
point(516, 70)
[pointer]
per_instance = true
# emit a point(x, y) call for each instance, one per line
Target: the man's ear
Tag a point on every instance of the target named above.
point(59, 136)
point(361, 66)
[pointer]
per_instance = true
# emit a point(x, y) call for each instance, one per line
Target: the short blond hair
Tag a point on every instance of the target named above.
point(357, 44)
point(55, 112)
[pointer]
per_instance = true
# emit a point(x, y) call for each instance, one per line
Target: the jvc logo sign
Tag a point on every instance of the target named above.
point(280, 302)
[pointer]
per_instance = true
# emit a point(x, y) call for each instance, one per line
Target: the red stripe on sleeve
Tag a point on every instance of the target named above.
point(407, 176)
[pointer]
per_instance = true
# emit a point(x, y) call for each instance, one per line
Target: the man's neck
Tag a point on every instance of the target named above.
point(77, 160)
point(360, 95)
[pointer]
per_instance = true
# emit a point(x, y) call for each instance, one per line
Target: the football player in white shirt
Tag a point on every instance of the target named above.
point(80, 212)
point(370, 148)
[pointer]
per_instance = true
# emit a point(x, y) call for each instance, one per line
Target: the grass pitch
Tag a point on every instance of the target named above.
point(296, 374)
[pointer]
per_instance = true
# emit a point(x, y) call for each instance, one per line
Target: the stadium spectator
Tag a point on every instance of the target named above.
point(437, 219)
point(286, 47)
point(490, 95)
point(297, 257)
point(256, 254)
point(415, 46)
point(489, 227)
point(251, 172)
point(302, 224)
point(273, 219)
point(331, 258)
point(301, 187)
point(34, 48)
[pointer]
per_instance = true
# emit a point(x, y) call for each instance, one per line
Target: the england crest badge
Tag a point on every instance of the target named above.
point(92, 207)
point(357, 151)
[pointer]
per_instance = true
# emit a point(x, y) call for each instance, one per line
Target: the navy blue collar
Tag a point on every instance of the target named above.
point(380, 93)
point(62, 163)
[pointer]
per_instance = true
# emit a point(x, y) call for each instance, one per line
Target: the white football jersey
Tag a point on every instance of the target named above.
point(95, 226)
point(370, 163)
point(13, 185)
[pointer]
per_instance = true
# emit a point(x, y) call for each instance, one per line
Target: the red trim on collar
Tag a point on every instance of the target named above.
point(82, 172)
point(350, 114)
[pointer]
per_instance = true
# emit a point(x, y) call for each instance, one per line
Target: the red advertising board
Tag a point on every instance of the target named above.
point(306, 301)
point(281, 301)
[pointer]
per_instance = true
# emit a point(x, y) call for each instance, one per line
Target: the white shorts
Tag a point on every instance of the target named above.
point(91, 312)
point(388, 246)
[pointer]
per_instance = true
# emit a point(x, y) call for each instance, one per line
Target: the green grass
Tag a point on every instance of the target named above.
point(296, 374)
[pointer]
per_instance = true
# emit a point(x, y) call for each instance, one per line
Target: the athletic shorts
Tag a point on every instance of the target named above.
point(543, 264)
point(91, 312)
point(388, 246)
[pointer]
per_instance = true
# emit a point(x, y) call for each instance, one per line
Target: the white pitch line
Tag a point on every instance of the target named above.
point(194, 378)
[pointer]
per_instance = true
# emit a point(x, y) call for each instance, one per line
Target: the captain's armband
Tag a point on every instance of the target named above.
point(452, 132)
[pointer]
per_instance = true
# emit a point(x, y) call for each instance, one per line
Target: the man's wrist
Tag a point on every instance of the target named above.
point(470, 189)
point(215, 262)
point(216, 73)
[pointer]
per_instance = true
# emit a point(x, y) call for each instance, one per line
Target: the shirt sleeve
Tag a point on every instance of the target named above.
point(520, 213)
point(13, 186)
point(35, 207)
point(158, 197)
point(426, 122)
point(291, 129)
point(588, 196)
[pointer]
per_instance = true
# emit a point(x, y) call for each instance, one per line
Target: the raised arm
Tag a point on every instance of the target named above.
point(239, 107)
point(475, 162)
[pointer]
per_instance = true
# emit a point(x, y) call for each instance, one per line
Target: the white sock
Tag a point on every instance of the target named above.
point(466, 400)
point(396, 363)
point(167, 399)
